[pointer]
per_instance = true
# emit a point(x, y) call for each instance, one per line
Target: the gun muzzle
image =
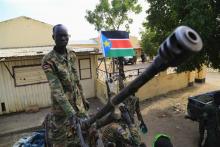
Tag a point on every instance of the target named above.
point(179, 46)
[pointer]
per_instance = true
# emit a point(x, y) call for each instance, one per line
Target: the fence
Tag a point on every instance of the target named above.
point(162, 83)
point(129, 74)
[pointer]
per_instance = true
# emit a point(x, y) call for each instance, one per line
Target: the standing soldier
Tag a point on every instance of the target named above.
point(68, 101)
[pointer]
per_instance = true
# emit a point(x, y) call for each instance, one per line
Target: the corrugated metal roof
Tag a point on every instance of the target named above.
point(36, 51)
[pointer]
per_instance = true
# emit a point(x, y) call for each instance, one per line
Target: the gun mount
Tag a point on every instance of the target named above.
point(178, 47)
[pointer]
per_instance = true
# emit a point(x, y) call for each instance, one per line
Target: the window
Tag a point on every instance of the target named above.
point(85, 71)
point(28, 75)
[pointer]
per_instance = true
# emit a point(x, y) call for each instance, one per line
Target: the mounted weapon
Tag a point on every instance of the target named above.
point(179, 46)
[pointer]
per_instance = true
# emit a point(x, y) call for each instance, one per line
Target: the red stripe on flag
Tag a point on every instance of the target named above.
point(124, 43)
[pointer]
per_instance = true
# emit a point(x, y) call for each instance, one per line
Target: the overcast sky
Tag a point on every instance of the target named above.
point(68, 12)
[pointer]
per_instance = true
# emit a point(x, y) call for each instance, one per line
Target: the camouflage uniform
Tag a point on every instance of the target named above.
point(131, 103)
point(66, 96)
point(120, 134)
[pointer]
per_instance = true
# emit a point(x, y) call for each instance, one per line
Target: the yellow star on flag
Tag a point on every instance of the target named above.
point(106, 43)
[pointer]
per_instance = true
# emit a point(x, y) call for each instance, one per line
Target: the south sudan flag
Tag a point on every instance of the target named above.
point(116, 44)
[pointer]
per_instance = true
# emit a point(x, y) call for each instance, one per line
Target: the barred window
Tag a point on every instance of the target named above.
point(85, 70)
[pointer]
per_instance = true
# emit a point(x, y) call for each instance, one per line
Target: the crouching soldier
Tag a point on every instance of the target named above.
point(122, 133)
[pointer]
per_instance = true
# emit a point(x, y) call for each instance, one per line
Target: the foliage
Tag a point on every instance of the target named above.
point(148, 43)
point(112, 14)
point(201, 15)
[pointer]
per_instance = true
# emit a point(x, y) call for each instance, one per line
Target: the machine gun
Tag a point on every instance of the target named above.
point(178, 47)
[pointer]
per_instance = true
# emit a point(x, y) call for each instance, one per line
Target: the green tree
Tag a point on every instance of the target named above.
point(112, 14)
point(201, 15)
point(148, 43)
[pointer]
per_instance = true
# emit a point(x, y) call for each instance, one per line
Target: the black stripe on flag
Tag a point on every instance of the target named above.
point(116, 34)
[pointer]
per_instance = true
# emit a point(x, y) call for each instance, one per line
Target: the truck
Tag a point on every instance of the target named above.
point(196, 103)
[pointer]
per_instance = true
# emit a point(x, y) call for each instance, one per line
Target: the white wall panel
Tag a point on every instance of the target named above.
point(18, 98)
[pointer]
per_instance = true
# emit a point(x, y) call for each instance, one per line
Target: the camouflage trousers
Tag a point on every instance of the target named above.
point(117, 134)
point(59, 133)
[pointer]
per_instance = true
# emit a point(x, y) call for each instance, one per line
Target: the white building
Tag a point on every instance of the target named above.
point(23, 43)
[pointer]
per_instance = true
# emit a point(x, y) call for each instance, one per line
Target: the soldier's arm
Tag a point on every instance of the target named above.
point(132, 139)
point(138, 111)
point(57, 89)
point(142, 126)
point(136, 139)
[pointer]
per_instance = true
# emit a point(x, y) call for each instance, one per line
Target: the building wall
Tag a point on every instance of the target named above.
point(200, 75)
point(101, 91)
point(24, 32)
point(18, 98)
point(84, 45)
point(163, 83)
point(160, 84)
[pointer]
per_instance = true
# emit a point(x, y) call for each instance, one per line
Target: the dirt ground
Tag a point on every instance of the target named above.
point(165, 114)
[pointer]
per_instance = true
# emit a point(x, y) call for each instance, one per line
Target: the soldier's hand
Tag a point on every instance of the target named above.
point(143, 127)
point(125, 115)
point(73, 120)
point(86, 104)
point(84, 124)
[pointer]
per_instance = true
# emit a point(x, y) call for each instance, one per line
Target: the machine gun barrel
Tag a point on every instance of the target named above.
point(178, 47)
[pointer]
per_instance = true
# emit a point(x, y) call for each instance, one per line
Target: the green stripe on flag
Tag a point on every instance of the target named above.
point(121, 52)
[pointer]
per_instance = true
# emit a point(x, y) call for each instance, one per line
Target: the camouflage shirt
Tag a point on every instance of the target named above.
point(116, 133)
point(66, 90)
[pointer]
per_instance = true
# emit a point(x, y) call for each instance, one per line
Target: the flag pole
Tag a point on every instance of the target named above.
point(106, 79)
point(121, 73)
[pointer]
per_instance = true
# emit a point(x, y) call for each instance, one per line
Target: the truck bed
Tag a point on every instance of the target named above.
point(196, 103)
